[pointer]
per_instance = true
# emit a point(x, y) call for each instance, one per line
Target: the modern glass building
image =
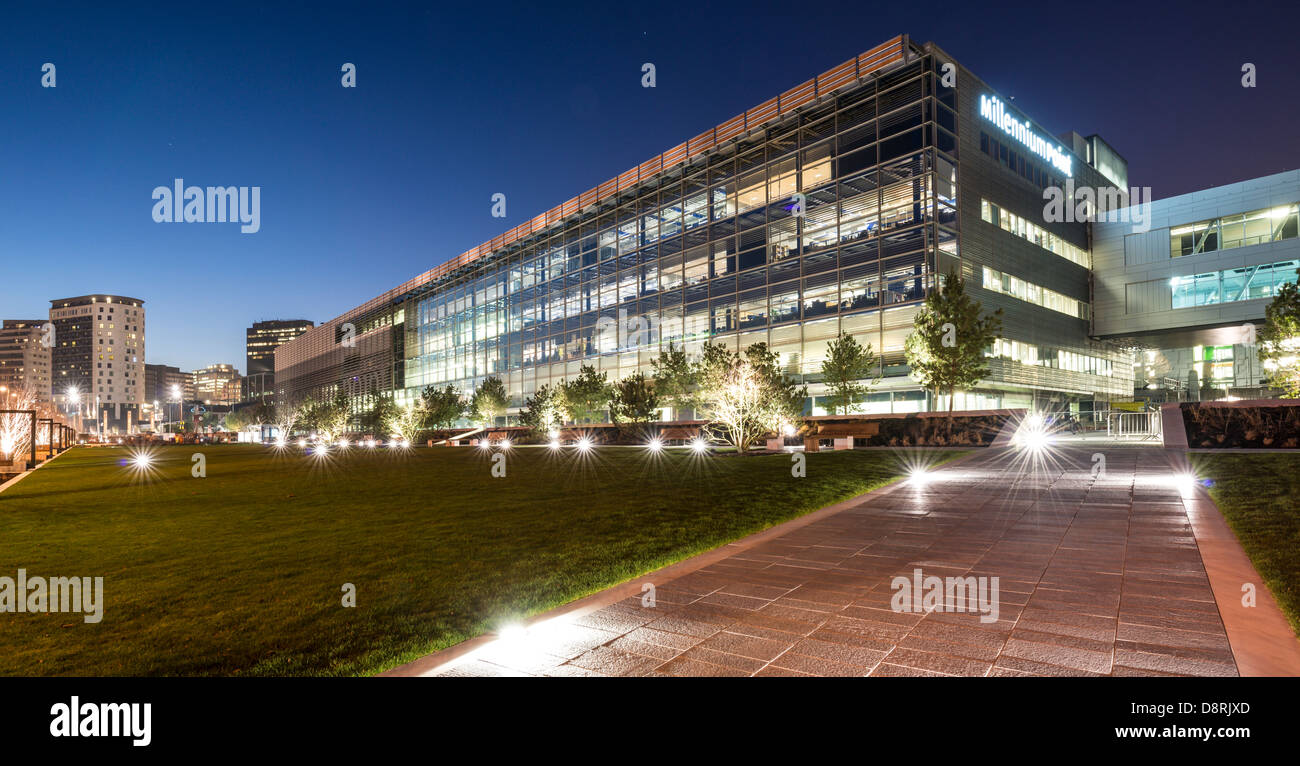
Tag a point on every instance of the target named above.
point(827, 209)
point(1189, 291)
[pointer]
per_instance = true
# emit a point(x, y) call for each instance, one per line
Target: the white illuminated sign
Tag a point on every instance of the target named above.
point(996, 112)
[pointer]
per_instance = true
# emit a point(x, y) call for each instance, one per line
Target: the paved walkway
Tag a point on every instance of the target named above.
point(1097, 576)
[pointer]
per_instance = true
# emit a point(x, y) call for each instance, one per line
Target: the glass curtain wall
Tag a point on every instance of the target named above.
point(828, 221)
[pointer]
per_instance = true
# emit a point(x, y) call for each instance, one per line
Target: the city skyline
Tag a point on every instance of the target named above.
point(363, 188)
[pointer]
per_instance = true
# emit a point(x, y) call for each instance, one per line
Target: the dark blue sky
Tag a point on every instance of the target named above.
point(364, 188)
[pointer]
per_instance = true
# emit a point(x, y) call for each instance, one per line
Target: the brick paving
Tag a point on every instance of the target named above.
point(1097, 576)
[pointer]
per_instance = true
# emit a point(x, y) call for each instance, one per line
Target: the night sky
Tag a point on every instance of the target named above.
point(364, 188)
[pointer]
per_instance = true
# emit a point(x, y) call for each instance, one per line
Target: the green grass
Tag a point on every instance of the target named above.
point(241, 572)
point(1259, 496)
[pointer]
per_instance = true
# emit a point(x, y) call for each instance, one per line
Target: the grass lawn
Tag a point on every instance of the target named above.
point(241, 572)
point(1260, 497)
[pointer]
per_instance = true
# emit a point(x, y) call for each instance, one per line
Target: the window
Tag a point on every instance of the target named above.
point(1232, 231)
point(999, 282)
point(1025, 229)
point(1243, 284)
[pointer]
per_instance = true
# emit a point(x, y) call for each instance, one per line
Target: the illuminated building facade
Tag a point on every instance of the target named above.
point(827, 209)
point(98, 359)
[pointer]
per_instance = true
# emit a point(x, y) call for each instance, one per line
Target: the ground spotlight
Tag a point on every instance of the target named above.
point(1032, 434)
point(143, 460)
point(699, 445)
point(343, 444)
point(655, 445)
point(584, 444)
point(302, 442)
point(555, 443)
point(919, 476)
point(370, 443)
point(504, 444)
point(485, 445)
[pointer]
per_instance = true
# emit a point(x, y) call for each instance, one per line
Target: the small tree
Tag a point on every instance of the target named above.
point(847, 364)
point(382, 409)
point(442, 406)
point(746, 396)
point(1279, 341)
point(787, 395)
point(242, 419)
point(946, 350)
point(489, 402)
point(328, 418)
point(587, 395)
point(544, 410)
point(285, 415)
point(634, 400)
point(406, 422)
point(674, 378)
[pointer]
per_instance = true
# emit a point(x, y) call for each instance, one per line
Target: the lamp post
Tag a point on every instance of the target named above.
point(72, 400)
point(176, 396)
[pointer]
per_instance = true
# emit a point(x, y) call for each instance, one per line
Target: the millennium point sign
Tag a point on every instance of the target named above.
point(993, 110)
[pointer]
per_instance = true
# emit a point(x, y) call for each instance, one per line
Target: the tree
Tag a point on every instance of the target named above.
point(328, 418)
point(16, 427)
point(634, 400)
point(587, 395)
point(946, 350)
point(242, 419)
point(847, 364)
point(1279, 340)
point(383, 408)
point(544, 410)
point(405, 422)
point(285, 416)
point(746, 396)
point(787, 396)
point(442, 406)
point(489, 401)
point(674, 378)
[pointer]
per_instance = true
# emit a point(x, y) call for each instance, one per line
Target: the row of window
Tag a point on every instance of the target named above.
point(1054, 358)
point(1026, 229)
point(801, 347)
point(648, 323)
point(1232, 231)
point(1229, 285)
point(1016, 287)
point(1018, 162)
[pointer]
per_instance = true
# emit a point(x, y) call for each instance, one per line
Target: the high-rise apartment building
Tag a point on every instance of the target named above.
point(262, 339)
point(24, 358)
point(98, 359)
point(217, 384)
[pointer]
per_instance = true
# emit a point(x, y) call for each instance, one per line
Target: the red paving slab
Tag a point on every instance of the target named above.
point(1097, 575)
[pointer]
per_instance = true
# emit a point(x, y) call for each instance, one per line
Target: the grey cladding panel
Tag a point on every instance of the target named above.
point(1146, 247)
point(1144, 297)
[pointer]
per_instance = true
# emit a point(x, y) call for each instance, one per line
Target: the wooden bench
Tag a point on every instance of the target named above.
point(843, 434)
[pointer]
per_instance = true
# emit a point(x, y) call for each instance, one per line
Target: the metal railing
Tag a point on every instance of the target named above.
point(1132, 425)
